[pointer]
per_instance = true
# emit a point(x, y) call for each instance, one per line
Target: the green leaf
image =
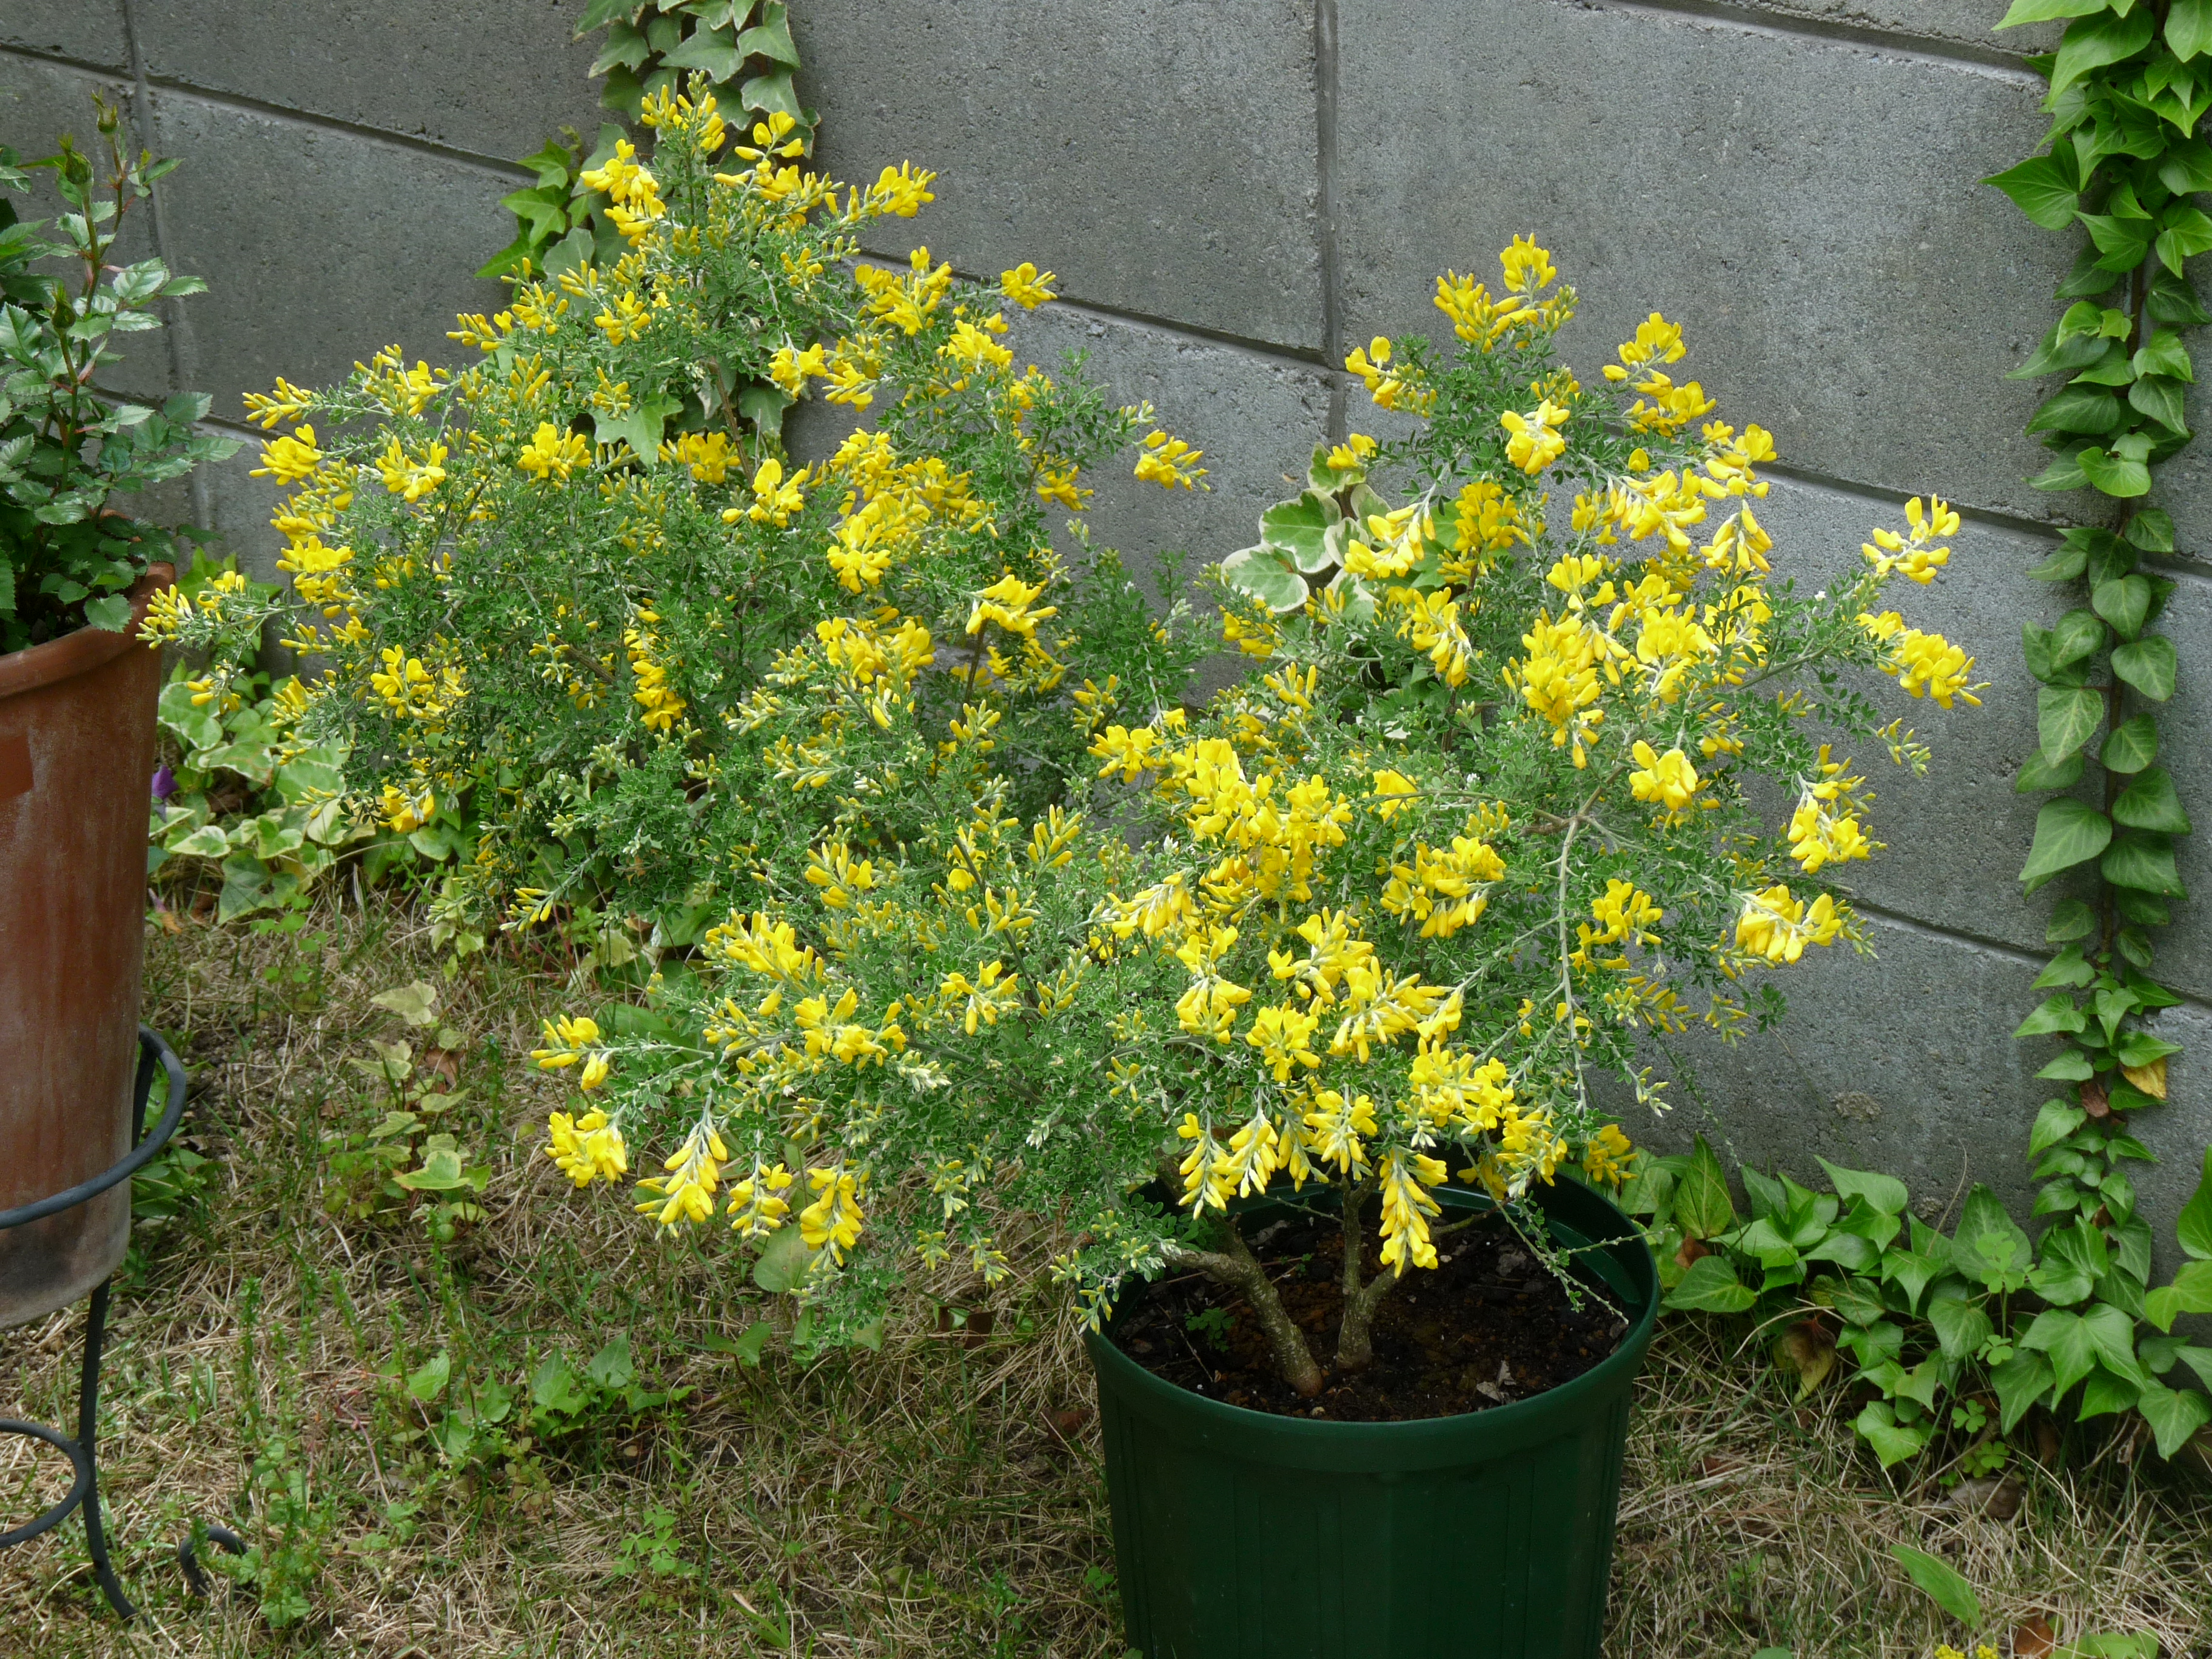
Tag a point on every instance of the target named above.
point(1990, 1246)
point(110, 613)
point(2189, 31)
point(1960, 1325)
point(2020, 1382)
point(2071, 1066)
point(2064, 473)
point(1300, 530)
point(2066, 717)
point(772, 39)
point(2069, 919)
point(783, 1262)
point(641, 428)
point(2036, 774)
point(2194, 1225)
point(2174, 302)
point(2061, 356)
point(2189, 1293)
point(2090, 411)
point(748, 1346)
point(2079, 635)
point(1263, 575)
point(2042, 11)
point(1940, 1583)
point(2063, 565)
point(2053, 1123)
point(2132, 745)
point(2117, 477)
point(2174, 1414)
point(613, 1366)
point(417, 1002)
point(1883, 1192)
point(2152, 803)
point(1710, 1287)
point(2149, 664)
point(2103, 1393)
point(1703, 1208)
point(2064, 1338)
point(2058, 1014)
point(428, 1383)
point(2165, 356)
point(713, 51)
point(1893, 1441)
point(2042, 188)
point(2143, 860)
point(2161, 397)
point(556, 1388)
point(2067, 832)
point(208, 841)
point(772, 92)
point(2188, 233)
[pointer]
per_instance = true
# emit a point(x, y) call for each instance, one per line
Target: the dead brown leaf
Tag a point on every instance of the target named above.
point(2095, 1101)
point(2035, 1639)
point(2150, 1079)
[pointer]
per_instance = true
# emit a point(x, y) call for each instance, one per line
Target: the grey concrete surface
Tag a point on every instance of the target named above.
point(320, 245)
point(492, 77)
point(1807, 209)
point(1161, 157)
point(1936, 23)
point(87, 32)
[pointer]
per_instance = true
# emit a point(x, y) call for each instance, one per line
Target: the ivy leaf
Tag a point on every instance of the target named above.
point(2020, 1382)
point(2125, 602)
point(2160, 396)
point(2174, 1414)
point(2067, 833)
point(2070, 919)
point(2042, 11)
point(2165, 355)
point(2053, 1123)
point(2187, 234)
point(771, 38)
point(2064, 1338)
point(1262, 573)
point(714, 51)
point(2090, 411)
point(1893, 1441)
point(2064, 473)
point(2114, 475)
point(2132, 745)
point(2174, 302)
point(2151, 803)
point(2042, 188)
point(1940, 1582)
point(2144, 861)
point(783, 1261)
point(1884, 1194)
point(1703, 1208)
point(1710, 1287)
point(2060, 357)
point(2063, 565)
point(1960, 1325)
point(2065, 718)
point(2078, 635)
point(2122, 243)
point(2149, 664)
point(1989, 1245)
point(2036, 774)
point(1300, 529)
point(2194, 1226)
point(2189, 1293)
point(2055, 1014)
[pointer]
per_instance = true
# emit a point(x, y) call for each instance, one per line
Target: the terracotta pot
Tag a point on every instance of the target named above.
point(77, 759)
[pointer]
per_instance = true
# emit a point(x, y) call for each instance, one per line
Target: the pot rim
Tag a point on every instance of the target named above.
point(85, 648)
point(1408, 1444)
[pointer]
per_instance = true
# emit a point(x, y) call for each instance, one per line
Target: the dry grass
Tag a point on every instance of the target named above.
point(919, 1502)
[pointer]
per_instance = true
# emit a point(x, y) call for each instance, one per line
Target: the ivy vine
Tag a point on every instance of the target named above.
point(2130, 84)
point(743, 48)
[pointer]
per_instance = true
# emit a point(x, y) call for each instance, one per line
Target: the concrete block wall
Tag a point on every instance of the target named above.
point(1234, 191)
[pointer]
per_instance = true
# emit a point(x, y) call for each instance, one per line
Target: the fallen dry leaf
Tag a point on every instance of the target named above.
point(2035, 1639)
point(2150, 1079)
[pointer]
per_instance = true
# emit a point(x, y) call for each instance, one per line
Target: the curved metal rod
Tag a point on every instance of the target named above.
point(151, 1051)
point(196, 1578)
point(53, 1517)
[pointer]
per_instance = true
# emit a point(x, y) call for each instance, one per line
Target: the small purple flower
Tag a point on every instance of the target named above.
point(165, 782)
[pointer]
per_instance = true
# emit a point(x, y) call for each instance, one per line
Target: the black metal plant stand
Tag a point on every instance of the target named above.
point(84, 1491)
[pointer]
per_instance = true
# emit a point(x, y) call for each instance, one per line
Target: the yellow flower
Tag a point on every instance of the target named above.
point(775, 499)
point(1007, 602)
point(412, 480)
point(1026, 286)
point(1777, 926)
point(1394, 792)
point(833, 1222)
point(1528, 267)
point(1283, 1036)
point(552, 453)
point(1170, 462)
point(289, 460)
point(1667, 779)
point(586, 1149)
point(1533, 440)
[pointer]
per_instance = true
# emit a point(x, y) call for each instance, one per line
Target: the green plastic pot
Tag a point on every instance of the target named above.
point(1239, 1534)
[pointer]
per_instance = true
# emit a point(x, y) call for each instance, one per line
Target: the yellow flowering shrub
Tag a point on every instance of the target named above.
point(565, 607)
point(1476, 824)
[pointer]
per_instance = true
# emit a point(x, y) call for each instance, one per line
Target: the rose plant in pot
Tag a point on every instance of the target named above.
point(78, 571)
point(1283, 1037)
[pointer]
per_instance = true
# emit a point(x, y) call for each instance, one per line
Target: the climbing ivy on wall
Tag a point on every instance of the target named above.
point(2130, 83)
point(743, 48)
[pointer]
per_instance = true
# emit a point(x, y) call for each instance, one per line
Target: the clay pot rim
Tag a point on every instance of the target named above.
point(84, 650)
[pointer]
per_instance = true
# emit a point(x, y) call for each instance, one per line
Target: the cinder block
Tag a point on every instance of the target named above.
point(89, 32)
point(1904, 1062)
point(492, 77)
point(1161, 157)
point(1970, 23)
point(318, 246)
point(1808, 208)
point(1256, 417)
